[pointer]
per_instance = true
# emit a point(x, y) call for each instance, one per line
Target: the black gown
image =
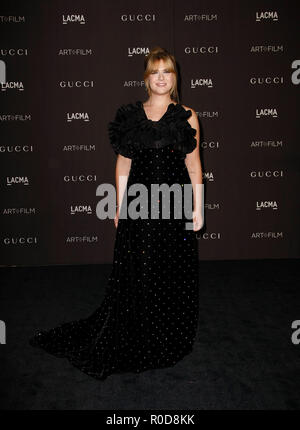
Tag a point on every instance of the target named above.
point(149, 315)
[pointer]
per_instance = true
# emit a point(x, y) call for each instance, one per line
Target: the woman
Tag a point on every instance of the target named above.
point(149, 315)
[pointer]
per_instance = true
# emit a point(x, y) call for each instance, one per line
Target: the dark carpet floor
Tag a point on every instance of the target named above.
point(244, 357)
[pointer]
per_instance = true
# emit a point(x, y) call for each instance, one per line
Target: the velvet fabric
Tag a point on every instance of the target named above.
point(149, 315)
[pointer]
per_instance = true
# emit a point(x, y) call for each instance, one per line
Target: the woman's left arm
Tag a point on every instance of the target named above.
point(193, 165)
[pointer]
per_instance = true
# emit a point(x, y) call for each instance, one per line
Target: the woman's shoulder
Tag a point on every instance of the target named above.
point(186, 129)
point(191, 116)
point(121, 127)
point(189, 110)
point(123, 118)
point(125, 110)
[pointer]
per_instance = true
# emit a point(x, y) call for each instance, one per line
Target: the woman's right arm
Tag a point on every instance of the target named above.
point(123, 166)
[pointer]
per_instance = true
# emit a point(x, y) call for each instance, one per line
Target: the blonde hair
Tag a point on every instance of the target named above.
point(157, 53)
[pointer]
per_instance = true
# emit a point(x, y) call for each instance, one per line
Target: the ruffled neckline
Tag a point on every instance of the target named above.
point(171, 107)
point(132, 130)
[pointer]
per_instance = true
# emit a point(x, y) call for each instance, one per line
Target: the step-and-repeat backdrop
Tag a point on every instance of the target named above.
point(66, 66)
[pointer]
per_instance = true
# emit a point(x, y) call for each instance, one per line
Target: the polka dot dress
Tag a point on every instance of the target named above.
point(149, 315)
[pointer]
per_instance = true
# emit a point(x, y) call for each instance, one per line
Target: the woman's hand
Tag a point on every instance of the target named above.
point(197, 220)
point(116, 218)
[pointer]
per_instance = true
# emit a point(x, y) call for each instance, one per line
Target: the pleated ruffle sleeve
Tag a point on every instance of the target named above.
point(118, 132)
point(185, 134)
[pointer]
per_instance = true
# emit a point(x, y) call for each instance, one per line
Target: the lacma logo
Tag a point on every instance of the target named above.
point(2, 333)
point(73, 18)
point(267, 15)
point(266, 112)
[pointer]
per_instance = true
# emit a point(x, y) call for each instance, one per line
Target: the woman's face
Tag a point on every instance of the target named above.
point(160, 79)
